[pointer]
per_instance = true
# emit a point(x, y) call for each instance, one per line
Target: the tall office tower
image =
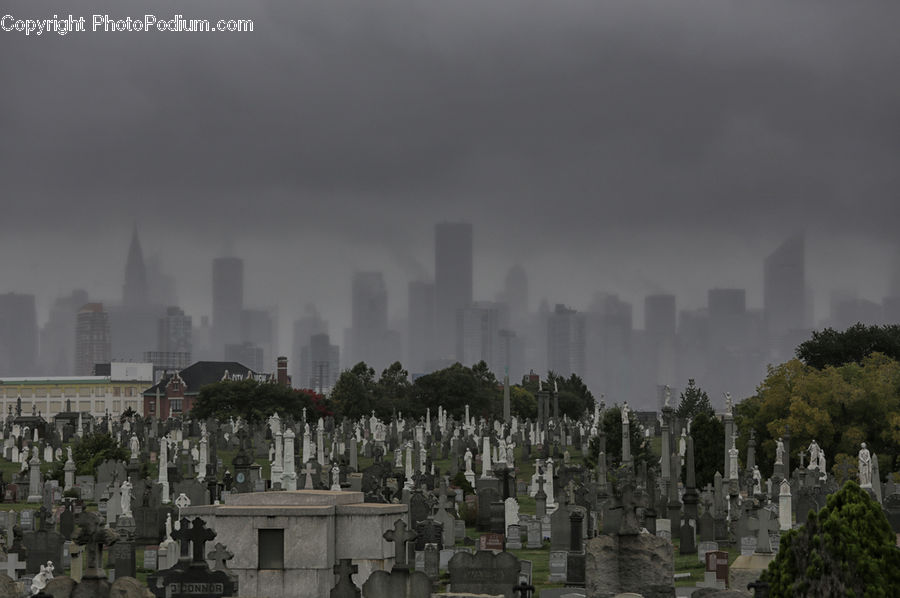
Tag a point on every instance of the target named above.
point(160, 285)
point(309, 324)
point(57, 352)
point(608, 333)
point(260, 327)
point(322, 362)
point(228, 302)
point(174, 344)
point(478, 334)
point(18, 335)
point(566, 341)
point(452, 280)
point(510, 355)
point(515, 292)
point(246, 354)
point(729, 354)
point(420, 340)
point(659, 336)
point(369, 338)
point(693, 346)
point(784, 296)
point(847, 309)
point(92, 339)
point(135, 292)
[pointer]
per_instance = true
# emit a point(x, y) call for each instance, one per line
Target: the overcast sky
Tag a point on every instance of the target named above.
point(627, 147)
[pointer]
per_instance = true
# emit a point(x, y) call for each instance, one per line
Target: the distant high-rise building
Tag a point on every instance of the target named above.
point(453, 265)
point(321, 364)
point(515, 292)
point(608, 333)
point(18, 335)
point(784, 293)
point(566, 341)
point(369, 338)
point(421, 326)
point(160, 285)
point(92, 339)
point(247, 354)
point(174, 344)
point(309, 324)
point(659, 339)
point(57, 351)
point(478, 333)
point(847, 311)
point(201, 340)
point(228, 302)
point(135, 292)
point(891, 310)
point(260, 327)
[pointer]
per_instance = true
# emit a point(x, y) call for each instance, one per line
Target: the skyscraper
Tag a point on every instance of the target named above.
point(453, 263)
point(566, 341)
point(18, 335)
point(420, 341)
point(174, 344)
point(321, 364)
point(309, 324)
point(92, 339)
point(369, 338)
point(135, 291)
point(784, 289)
point(659, 339)
point(228, 302)
point(57, 351)
point(478, 334)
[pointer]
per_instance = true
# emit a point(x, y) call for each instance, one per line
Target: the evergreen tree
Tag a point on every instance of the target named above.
point(694, 400)
point(846, 549)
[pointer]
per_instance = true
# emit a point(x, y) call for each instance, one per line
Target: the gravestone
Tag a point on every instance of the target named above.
point(123, 559)
point(484, 573)
point(43, 545)
point(151, 557)
point(490, 542)
point(192, 576)
point(513, 537)
point(533, 532)
point(558, 566)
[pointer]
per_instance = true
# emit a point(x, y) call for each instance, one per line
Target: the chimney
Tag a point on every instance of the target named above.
point(282, 372)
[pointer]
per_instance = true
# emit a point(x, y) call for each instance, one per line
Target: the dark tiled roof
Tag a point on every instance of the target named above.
point(199, 374)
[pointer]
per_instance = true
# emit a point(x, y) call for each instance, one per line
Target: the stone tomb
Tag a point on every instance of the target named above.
point(286, 543)
point(484, 573)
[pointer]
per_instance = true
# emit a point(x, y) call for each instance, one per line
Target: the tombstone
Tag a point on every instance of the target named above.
point(429, 531)
point(67, 521)
point(716, 574)
point(535, 538)
point(560, 529)
point(484, 573)
point(191, 576)
point(432, 561)
point(558, 566)
point(492, 542)
point(123, 558)
point(704, 547)
point(151, 558)
point(43, 545)
point(513, 537)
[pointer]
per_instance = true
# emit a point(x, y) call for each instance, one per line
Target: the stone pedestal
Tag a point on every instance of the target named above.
point(747, 569)
point(639, 563)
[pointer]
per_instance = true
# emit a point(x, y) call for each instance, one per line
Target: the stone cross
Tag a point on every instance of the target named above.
point(762, 525)
point(345, 588)
point(308, 470)
point(629, 503)
point(399, 536)
point(197, 534)
point(11, 565)
point(219, 556)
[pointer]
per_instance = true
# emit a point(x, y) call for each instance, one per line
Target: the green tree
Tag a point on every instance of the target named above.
point(830, 347)
point(839, 407)
point(454, 388)
point(392, 390)
point(694, 400)
point(255, 401)
point(89, 452)
point(708, 433)
point(355, 392)
point(574, 396)
point(846, 549)
point(612, 426)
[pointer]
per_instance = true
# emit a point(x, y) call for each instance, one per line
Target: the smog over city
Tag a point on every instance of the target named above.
point(601, 152)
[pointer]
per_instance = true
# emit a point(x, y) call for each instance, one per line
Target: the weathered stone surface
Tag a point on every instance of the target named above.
point(642, 563)
point(129, 587)
point(747, 569)
point(60, 587)
point(8, 587)
point(714, 593)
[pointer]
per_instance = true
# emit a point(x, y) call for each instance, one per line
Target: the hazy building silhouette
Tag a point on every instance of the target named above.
point(321, 364)
point(659, 341)
point(848, 310)
point(174, 343)
point(228, 302)
point(311, 323)
point(18, 335)
point(57, 351)
point(453, 266)
point(420, 326)
point(247, 354)
point(369, 338)
point(609, 332)
point(515, 292)
point(160, 285)
point(135, 291)
point(785, 297)
point(566, 341)
point(260, 327)
point(92, 339)
point(478, 334)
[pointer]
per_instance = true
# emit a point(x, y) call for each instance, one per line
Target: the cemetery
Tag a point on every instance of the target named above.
point(443, 505)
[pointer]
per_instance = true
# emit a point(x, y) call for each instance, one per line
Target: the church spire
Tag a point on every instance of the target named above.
point(135, 289)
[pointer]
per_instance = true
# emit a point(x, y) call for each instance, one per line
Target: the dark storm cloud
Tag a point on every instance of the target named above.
point(371, 119)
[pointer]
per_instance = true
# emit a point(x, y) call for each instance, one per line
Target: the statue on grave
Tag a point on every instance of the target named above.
point(668, 396)
point(135, 446)
point(125, 490)
point(625, 411)
point(468, 459)
point(813, 451)
point(728, 404)
point(379, 432)
point(40, 580)
point(757, 480)
point(865, 467)
point(779, 452)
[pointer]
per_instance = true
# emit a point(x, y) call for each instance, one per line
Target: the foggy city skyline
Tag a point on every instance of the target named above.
point(626, 148)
